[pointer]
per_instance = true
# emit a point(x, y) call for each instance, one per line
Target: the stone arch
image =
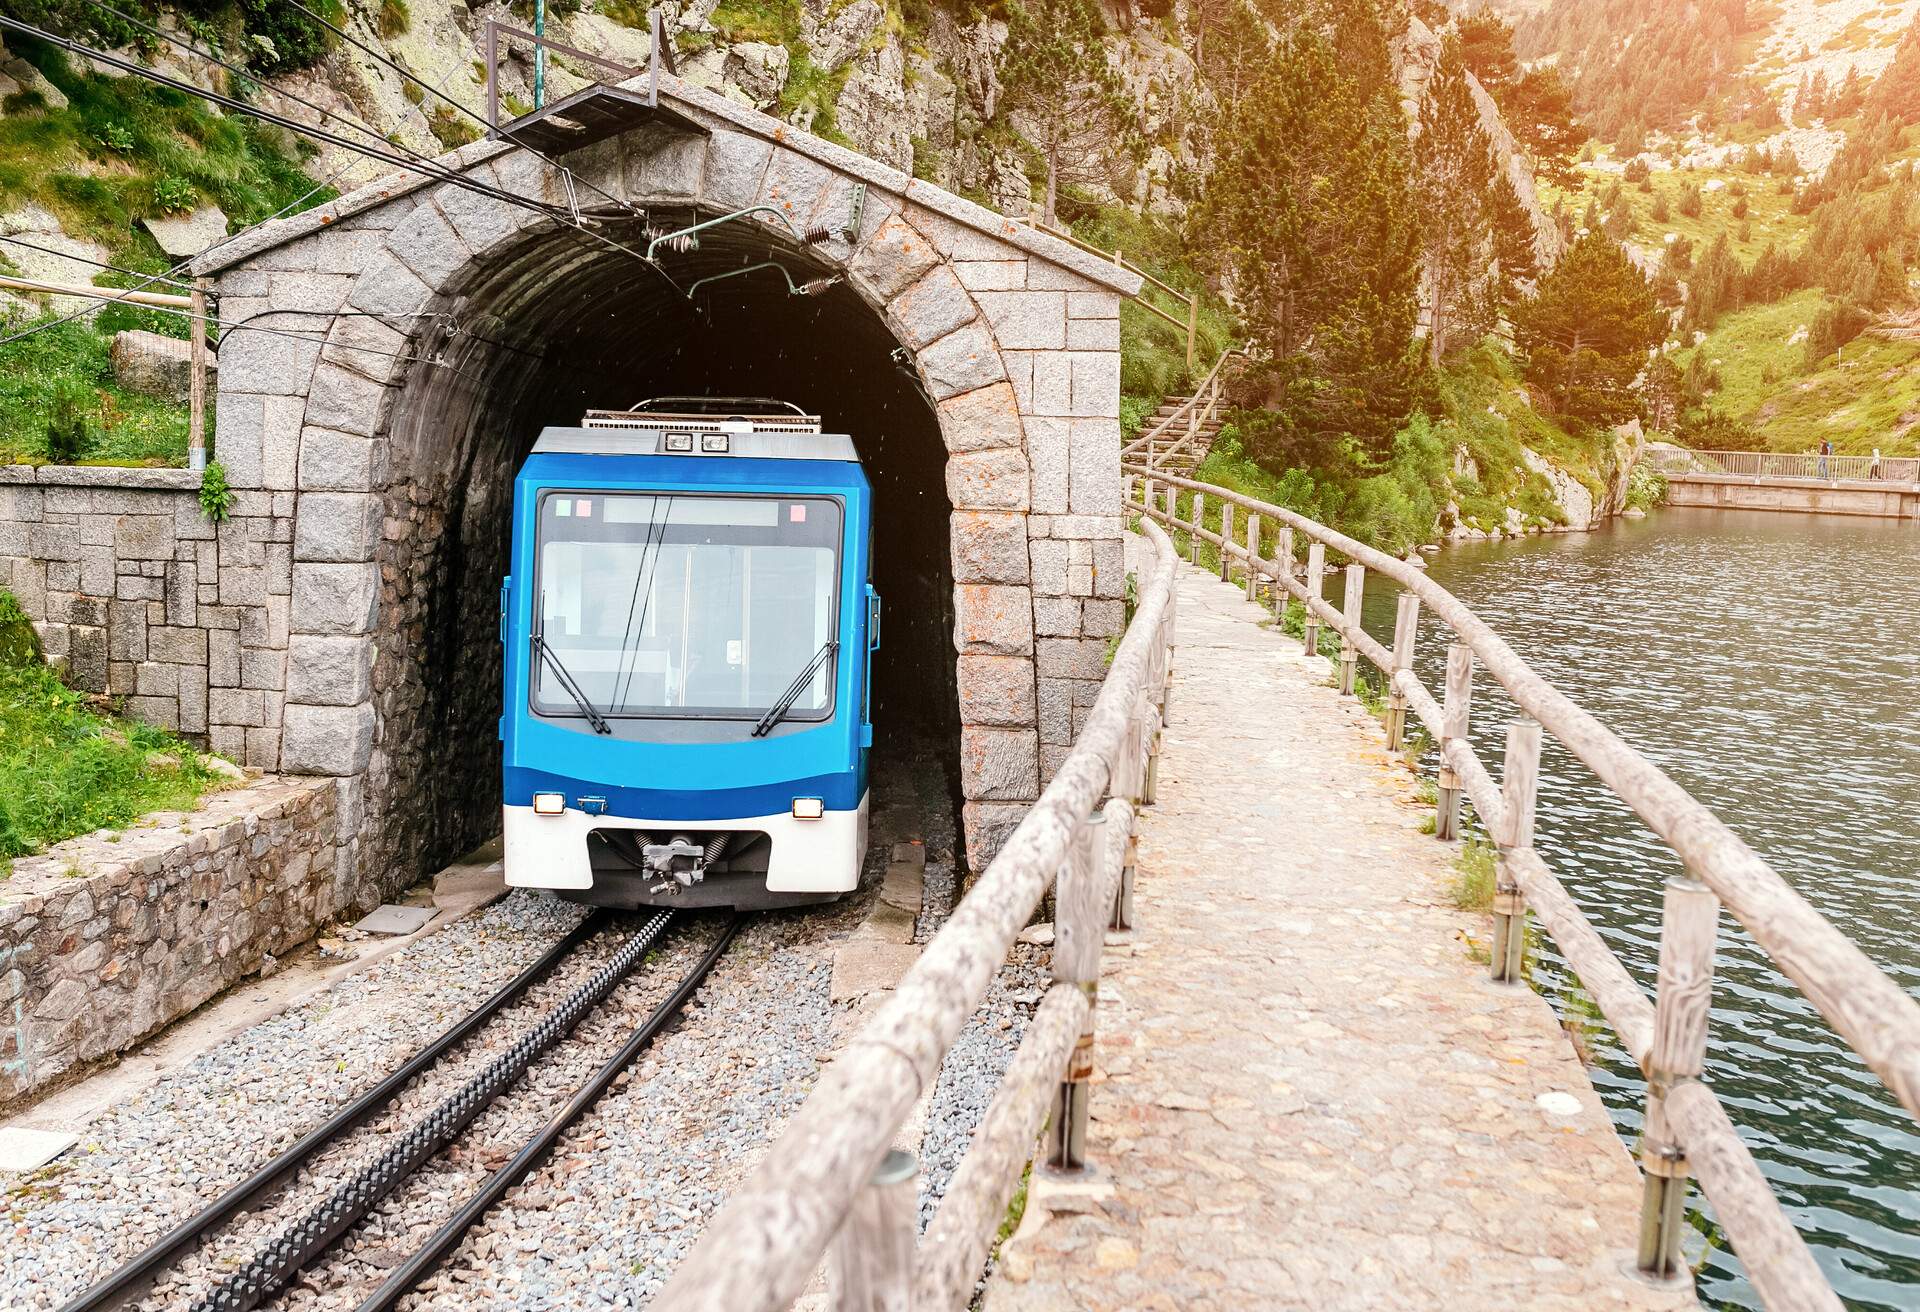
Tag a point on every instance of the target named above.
point(439, 309)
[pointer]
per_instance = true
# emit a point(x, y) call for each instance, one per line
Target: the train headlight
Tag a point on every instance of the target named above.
point(679, 441)
point(713, 443)
point(549, 803)
point(808, 808)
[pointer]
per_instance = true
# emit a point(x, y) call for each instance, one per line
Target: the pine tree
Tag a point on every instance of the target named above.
point(1486, 44)
point(1515, 243)
point(1619, 224)
point(1896, 92)
point(1060, 92)
point(1661, 213)
point(1306, 213)
point(1587, 331)
point(1454, 172)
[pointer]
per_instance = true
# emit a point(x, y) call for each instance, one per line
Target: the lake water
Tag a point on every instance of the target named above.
point(1771, 665)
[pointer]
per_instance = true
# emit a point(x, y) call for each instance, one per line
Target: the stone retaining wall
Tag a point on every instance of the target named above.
point(138, 595)
point(107, 937)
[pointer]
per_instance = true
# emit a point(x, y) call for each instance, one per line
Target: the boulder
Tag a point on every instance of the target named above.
point(835, 39)
point(153, 365)
point(759, 70)
point(184, 235)
point(18, 77)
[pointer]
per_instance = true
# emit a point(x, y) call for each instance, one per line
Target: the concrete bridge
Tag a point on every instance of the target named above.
point(1801, 483)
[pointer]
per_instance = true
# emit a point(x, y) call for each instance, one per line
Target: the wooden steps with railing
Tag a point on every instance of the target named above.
point(1178, 436)
point(1170, 449)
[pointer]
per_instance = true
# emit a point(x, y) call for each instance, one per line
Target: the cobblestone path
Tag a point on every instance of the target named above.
point(1309, 1096)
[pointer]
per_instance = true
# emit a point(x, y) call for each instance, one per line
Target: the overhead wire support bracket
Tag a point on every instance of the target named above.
point(688, 238)
point(812, 287)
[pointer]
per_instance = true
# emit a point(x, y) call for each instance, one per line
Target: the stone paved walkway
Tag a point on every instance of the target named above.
point(1309, 1096)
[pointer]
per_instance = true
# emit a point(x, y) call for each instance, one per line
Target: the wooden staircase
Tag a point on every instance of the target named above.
point(1164, 449)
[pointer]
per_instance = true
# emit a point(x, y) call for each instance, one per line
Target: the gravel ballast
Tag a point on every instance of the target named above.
point(625, 1193)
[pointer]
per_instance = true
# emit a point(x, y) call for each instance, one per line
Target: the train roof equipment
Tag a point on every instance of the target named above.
point(746, 426)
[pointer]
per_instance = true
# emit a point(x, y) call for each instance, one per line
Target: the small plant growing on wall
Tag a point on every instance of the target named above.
point(216, 498)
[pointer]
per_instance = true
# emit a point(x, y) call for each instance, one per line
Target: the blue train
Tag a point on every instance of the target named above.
point(689, 627)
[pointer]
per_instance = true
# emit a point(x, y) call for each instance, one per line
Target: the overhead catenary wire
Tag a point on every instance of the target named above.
point(565, 219)
point(238, 106)
point(181, 266)
point(441, 95)
point(98, 264)
point(348, 120)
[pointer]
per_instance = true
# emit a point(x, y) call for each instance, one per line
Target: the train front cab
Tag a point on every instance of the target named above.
point(660, 611)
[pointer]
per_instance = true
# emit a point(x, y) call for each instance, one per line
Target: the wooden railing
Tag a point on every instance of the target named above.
point(1687, 1131)
point(1784, 464)
point(832, 1181)
point(1191, 300)
point(1194, 413)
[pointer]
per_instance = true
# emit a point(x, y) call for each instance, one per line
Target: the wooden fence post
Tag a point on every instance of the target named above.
point(1199, 521)
point(1193, 330)
point(1253, 557)
point(1406, 623)
point(1316, 580)
point(1689, 922)
point(1146, 498)
point(1226, 540)
point(872, 1256)
point(1454, 722)
point(1519, 785)
point(1283, 557)
point(1079, 928)
point(197, 378)
point(1349, 652)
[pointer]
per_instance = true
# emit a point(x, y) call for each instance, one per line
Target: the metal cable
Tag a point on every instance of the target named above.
point(287, 1255)
point(494, 128)
point(81, 259)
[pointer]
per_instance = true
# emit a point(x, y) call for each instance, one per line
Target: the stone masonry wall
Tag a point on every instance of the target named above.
point(108, 937)
point(1014, 336)
point(138, 595)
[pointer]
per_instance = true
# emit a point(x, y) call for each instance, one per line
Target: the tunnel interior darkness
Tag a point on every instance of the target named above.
point(559, 324)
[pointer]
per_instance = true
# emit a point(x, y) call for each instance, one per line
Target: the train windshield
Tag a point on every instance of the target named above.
point(685, 605)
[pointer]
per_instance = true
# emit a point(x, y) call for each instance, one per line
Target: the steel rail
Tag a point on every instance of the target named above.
point(416, 1268)
point(294, 1249)
point(128, 1283)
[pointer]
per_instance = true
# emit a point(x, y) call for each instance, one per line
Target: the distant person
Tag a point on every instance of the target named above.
point(1826, 449)
point(1873, 470)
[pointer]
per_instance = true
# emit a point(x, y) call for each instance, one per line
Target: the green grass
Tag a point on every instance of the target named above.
point(121, 151)
point(127, 428)
point(65, 769)
point(1769, 217)
point(98, 163)
point(1868, 397)
point(1473, 884)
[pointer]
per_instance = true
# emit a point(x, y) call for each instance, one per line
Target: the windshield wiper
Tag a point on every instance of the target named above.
point(778, 711)
point(594, 718)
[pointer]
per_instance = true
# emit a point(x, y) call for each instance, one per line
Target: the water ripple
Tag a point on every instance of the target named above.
point(1771, 665)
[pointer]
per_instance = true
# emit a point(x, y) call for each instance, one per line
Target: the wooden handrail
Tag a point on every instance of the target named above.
point(1190, 326)
point(1210, 388)
point(1873, 1014)
point(762, 1247)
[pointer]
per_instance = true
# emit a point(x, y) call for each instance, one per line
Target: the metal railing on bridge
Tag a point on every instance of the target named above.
point(831, 1184)
point(1786, 464)
point(1687, 1132)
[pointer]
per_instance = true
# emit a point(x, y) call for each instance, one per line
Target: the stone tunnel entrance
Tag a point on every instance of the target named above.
point(974, 361)
point(554, 327)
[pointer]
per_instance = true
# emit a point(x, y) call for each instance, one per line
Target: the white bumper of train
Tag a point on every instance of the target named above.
point(809, 856)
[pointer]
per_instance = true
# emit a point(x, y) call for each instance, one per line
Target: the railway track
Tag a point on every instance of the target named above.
point(303, 1241)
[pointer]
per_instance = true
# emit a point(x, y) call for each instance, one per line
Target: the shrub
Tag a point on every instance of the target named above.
point(69, 434)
